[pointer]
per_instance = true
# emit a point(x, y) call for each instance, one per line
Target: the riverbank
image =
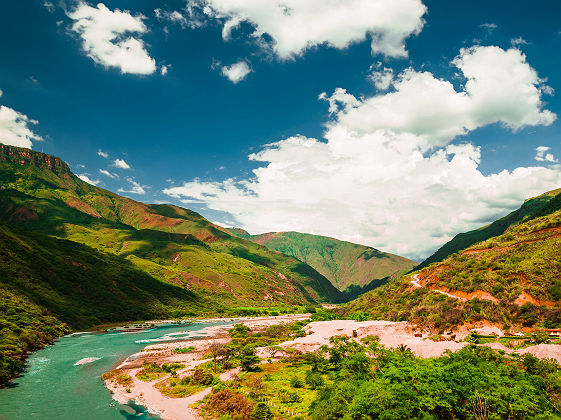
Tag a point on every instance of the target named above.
point(147, 394)
point(315, 334)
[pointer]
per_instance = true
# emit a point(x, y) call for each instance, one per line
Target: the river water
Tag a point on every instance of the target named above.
point(53, 388)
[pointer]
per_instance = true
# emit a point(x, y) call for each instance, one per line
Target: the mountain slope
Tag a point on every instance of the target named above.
point(533, 207)
point(345, 264)
point(172, 244)
point(49, 286)
point(510, 279)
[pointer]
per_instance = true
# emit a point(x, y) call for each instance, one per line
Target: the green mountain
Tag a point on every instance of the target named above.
point(73, 255)
point(511, 279)
point(533, 207)
point(345, 264)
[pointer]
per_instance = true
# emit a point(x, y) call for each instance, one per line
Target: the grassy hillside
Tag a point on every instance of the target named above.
point(49, 286)
point(172, 244)
point(345, 264)
point(510, 279)
point(534, 207)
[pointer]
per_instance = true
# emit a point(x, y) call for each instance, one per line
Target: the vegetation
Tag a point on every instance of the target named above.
point(345, 264)
point(73, 256)
point(532, 208)
point(511, 280)
point(169, 243)
point(181, 350)
point(349, 380)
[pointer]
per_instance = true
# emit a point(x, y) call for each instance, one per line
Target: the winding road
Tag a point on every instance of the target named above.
point(415, 282)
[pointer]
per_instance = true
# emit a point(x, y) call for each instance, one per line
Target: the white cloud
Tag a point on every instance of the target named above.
point(136, 188)
point(15, 128)
point(543, 156)
point(102, 154)
point(236, 72)
point(381, 79)
point(106, 38)
point(121, 164)
point(109, 174)
point(385, 173)
point(296, 26)
point(500, 87)
point(86, 178)
point(164, 69)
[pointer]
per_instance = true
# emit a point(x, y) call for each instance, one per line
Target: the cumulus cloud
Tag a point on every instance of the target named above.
point(543, 156)
point(500, 87)
point(296, 26)
point(121, 164)
point(386, 172)
point(236, 72)
point(164, 69)
point(86, 178)
point(102, 154)
point(136, 188)
point(381, 78)
point(15, 128)
point(106, 38)
point(109, 174)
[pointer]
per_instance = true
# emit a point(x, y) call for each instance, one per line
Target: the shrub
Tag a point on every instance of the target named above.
point(296, 382)
point(202, 377)
point(262, 412)
point(314, 379)
point(228, 402)
point(184, 349)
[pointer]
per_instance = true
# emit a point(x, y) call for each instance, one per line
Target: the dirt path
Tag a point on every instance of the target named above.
point(415, 282)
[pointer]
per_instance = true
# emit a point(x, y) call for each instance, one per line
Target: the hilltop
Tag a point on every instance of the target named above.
point(510, 280)
point(345, 264)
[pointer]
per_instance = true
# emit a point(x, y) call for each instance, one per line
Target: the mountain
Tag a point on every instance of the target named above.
point(532, 208)
point(345, 264)
point(510, 279)
point(73, 255)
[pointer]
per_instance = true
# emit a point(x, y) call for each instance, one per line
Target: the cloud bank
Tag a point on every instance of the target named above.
point(387, 173)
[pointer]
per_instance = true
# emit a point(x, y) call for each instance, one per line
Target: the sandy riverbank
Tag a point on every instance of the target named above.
point(146, 393)
point(390, 334)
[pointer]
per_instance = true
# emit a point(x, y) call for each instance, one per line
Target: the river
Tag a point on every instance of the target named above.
point(53, 388)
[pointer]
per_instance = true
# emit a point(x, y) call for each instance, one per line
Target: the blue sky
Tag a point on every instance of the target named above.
point(187, 134)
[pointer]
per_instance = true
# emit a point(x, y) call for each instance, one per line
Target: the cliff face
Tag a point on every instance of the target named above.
point(26, 157)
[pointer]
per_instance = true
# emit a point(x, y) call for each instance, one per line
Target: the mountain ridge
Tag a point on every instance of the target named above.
point(345, 264)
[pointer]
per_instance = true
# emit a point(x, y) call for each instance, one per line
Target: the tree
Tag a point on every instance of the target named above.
point(248, 359)
point(218, 351)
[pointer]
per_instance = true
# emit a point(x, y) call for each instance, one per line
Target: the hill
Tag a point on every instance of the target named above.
point(173, 244)
point(345, 264)
point(73, 256)
point(49, 286)
point(533, 207)
point(512, 279)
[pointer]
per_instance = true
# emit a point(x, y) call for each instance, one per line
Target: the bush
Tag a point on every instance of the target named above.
point(231, 403)
point(184, 350)
point(314, 379)
point(202, 377)
point(296, 382)
point(262, 412)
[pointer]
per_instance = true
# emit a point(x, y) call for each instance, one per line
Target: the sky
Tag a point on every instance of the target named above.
point(391, 123)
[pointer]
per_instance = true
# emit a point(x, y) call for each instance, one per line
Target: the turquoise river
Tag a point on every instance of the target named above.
point(52, 387)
